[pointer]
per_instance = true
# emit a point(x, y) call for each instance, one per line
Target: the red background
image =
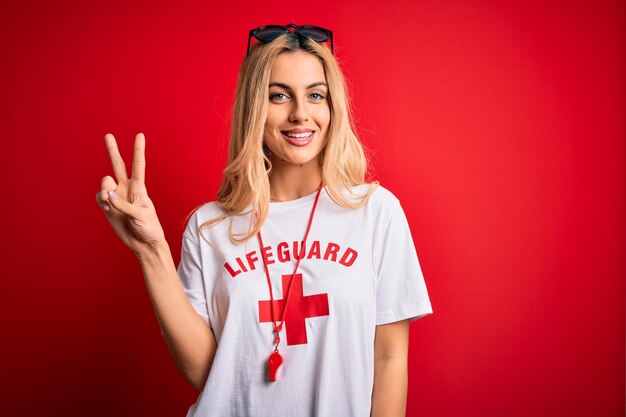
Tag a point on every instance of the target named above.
point(499, 125)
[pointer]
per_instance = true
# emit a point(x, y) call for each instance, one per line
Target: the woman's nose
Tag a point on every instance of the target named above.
point(299, 111)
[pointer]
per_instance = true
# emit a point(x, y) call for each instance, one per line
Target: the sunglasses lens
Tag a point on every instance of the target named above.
point(316, 34)
point(268, 34)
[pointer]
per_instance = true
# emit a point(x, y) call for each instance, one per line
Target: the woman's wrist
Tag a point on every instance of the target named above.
point(153, 253)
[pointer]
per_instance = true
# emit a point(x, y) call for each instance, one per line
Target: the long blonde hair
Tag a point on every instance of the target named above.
point(246, 176)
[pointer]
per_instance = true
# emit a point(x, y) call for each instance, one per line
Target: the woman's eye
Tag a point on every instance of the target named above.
point(275, 96)
point(319, 95)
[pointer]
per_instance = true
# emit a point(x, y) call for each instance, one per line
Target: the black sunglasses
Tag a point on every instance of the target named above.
point(271, 32)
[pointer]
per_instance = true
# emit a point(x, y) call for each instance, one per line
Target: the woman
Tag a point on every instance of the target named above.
point(295, 288)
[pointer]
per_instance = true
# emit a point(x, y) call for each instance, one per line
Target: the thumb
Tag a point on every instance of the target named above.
point(124, 206)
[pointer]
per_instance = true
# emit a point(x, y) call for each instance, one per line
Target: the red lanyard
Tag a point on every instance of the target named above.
point(276, 359)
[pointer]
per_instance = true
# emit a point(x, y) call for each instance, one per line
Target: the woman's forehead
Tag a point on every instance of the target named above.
point(297, 69)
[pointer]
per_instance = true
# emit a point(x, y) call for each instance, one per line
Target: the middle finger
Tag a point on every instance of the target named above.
point(139, 158)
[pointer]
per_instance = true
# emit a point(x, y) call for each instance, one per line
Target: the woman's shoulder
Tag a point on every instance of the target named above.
point(204, 211)
point(201, 214)
point(380, 195)
point(209, 210)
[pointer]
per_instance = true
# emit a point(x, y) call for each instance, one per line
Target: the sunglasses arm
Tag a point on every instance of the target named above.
point(249, 39)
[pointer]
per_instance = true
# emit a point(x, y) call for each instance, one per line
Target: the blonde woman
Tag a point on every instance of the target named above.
point(295, 288)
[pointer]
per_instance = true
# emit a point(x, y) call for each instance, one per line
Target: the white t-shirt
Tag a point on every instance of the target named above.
point(360, 269)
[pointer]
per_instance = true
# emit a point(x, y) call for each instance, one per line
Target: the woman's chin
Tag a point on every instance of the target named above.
point(295, 160)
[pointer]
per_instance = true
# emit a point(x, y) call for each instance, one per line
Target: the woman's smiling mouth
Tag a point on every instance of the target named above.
point(298, 137)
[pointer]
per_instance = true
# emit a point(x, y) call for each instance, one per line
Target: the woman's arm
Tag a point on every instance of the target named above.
point(133, 216)
point(189, 339)
point(391, 349)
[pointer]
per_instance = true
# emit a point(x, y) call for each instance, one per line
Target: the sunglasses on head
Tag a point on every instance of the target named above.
point(269, 33)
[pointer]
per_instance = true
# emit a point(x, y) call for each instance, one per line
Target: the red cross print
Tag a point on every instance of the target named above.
point(300, 308)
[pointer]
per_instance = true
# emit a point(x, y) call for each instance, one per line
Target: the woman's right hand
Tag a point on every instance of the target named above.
point(126, 203)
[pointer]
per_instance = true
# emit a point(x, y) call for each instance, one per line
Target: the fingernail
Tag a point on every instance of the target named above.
point(112, 195)
point(105, 207)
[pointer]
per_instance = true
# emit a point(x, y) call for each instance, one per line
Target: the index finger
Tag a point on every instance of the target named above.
point(139, 158)
point(119, 169)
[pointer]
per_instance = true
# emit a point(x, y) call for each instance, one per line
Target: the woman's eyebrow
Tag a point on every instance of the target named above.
point(286, 87)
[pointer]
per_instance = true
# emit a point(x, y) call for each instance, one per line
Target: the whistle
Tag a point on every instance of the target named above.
point(274, 362)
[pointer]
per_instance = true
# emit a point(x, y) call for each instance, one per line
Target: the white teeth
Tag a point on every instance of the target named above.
point(299, 135)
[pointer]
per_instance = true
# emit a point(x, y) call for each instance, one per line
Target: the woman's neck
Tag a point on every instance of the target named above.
point(289, 182)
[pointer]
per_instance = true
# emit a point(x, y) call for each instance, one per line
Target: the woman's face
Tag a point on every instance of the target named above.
point(297, 122)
